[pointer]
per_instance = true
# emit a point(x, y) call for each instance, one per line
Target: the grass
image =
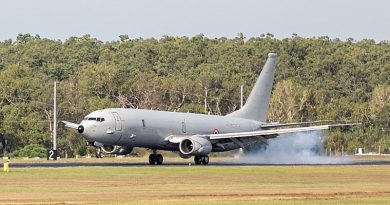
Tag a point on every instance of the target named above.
point(197, 185)
point(169, 157)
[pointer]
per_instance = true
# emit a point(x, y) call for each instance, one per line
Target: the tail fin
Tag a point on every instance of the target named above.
point(256, 106)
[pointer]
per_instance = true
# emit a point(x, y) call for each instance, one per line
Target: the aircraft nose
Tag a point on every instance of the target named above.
point(80, 129)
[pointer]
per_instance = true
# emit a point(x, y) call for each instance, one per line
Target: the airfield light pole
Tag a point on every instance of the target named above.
point(52, 153)
point(55, 117)
point(242, 97)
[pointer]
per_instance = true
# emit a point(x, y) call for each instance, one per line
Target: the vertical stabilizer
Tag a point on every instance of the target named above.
point(256, 106)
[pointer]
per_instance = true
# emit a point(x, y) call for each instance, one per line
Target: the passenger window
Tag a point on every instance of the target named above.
point(92, 118)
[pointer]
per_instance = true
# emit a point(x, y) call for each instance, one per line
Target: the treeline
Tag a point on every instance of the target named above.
point(316, 79)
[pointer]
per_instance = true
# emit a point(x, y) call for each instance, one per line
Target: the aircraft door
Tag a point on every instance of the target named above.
point(118, 121)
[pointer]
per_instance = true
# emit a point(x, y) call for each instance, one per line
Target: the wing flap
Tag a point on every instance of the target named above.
point(302, 124)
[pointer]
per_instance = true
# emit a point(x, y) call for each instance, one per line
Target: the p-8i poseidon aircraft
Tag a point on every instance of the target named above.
point(119, 130)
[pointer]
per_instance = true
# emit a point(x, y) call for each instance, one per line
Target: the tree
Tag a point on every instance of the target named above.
point(289, 102)
point(317, 79)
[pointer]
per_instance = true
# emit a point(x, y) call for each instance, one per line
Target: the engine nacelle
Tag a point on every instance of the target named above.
point(195, 145)
point(185, 156)
point(114, 149)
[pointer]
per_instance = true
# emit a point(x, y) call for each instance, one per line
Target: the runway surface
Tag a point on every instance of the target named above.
point(139, 164)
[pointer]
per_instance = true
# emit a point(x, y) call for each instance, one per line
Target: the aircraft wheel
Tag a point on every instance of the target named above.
point(205, 160)
point(159, 159)
point(99, 153)
point(152, 159)
point(198, 160)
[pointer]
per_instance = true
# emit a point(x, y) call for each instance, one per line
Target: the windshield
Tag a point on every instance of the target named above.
point(98, 119)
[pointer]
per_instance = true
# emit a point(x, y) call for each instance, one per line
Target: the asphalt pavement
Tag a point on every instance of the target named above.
point(166, 164)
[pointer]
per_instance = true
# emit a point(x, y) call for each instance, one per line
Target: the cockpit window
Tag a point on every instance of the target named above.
point(98, 119)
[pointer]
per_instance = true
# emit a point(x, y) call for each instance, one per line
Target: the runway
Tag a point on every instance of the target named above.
point(179, 164)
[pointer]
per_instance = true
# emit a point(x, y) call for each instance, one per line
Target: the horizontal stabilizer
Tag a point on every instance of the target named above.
point(71, 124)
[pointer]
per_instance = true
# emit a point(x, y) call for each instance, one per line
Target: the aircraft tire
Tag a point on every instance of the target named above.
point(159, 159)
point(152, 159)
point(205, 160)
point(99, 153)
point(198, 159)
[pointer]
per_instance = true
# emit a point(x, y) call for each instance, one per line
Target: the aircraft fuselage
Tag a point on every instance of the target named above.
point(151, 129)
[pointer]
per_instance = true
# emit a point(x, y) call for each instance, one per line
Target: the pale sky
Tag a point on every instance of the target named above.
point(107, 19)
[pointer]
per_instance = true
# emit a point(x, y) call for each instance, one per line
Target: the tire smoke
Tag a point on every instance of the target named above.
point(297, 148)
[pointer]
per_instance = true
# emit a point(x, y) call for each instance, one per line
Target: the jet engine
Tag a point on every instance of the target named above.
point(185, 156)
point(114, 149)
point(195, 145)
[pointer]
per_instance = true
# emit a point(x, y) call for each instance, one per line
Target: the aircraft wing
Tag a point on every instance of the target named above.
point(302, 124)
point(71, 125)
point(272, 133)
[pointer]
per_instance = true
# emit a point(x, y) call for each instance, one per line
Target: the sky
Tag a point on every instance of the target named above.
point(107, 19)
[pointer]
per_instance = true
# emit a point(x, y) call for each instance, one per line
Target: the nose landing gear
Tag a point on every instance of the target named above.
point(155, 158)
point(99, 153)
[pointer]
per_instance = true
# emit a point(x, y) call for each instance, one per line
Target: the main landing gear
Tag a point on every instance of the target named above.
point(155, 158)
point(201, 159)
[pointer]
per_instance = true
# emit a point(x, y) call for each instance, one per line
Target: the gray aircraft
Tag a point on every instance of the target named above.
point(119, 130)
